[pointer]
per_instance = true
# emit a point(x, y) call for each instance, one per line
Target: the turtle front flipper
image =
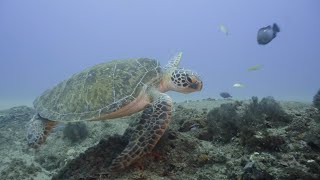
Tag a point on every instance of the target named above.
point(174, 62)
point(38, 128)
point(153, 123)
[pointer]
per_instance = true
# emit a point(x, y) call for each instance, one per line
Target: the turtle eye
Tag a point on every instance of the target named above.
point(189, 79)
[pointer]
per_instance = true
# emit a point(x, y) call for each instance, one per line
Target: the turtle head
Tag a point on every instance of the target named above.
point(180, 80)
point(184, 81)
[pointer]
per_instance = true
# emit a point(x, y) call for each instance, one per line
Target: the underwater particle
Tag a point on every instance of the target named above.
point(255, 67)
point(223, 29)
point(225, 95)
point(267, 34)
point(238, 85)
point(316, 100)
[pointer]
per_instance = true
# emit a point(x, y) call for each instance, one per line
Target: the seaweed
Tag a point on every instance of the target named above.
point(316, 100)
point(253, 115)
point(223, 122)
point(273, 110)
point(246, 134)
point(226, 122)
point(258, 114)
point(76, 131)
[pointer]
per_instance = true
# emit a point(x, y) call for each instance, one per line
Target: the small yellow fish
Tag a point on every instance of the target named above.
point(238, 85)
point(224, 29)
point(255, 67)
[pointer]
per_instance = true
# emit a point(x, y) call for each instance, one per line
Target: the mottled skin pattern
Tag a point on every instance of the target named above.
point(111, 90)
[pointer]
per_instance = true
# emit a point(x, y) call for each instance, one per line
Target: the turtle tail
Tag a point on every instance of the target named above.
point(38, 128)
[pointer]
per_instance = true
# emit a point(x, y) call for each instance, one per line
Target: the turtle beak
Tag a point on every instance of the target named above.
point(200, 85)
point(197, 85)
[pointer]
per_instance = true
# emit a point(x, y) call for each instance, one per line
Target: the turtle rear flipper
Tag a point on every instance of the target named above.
point(153, 123)
point(38, 128)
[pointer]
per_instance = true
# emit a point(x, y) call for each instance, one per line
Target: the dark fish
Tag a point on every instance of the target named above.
point(225, 95)
point(266, 34)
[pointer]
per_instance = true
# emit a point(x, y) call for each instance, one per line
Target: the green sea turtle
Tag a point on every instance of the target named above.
point(111, 90)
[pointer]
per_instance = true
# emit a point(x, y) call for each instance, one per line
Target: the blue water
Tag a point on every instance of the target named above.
point(44, 42)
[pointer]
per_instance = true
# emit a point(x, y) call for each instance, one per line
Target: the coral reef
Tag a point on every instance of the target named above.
point(12, 127)
point(75, 131)
point(252, 115)
point(259, 114)
point(170, 156)
point(312, 137)
point(94, 161)
point(273, 110)
point(191, 120)
point(229, 119)
point(261, 141)
point(49, 162)
point(223, 122)
point(264, 145)
point(316, 100)
point(16, 114)
point(19, 169)
point(298, 124)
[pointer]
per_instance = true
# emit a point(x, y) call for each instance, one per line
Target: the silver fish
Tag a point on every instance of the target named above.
point(224, 29)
